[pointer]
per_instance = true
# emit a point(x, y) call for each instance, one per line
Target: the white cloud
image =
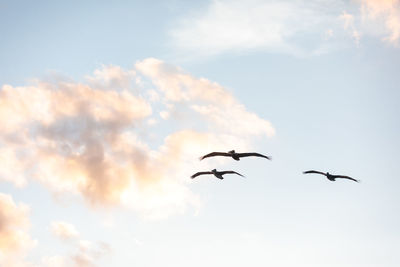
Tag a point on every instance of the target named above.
point(54, 261)
point(293, 27)
point(283, 26)
point(348, 24)
point(91, 139)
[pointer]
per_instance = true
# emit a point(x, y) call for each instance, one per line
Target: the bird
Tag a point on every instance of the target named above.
point(234, 155)
point(332, 177)
point(216, 173)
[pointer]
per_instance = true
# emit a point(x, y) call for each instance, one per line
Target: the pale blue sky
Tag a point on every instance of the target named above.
point(331, 98)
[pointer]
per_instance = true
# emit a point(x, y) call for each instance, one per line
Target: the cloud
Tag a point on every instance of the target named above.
point(103, 139)
point(85, 254)
point(386, 12)
point(53, 261)
point(63, 132)
point(111, 77)
point(292, 27)
point(64, 230)
point(206, 98)
point(88, 253)
point(348, 24)
point(14, 237)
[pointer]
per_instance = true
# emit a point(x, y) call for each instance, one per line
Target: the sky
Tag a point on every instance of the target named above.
point(106, 107)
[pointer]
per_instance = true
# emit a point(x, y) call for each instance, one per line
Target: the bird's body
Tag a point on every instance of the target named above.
point(234, 155)
point(216, 173)
point(332, 177)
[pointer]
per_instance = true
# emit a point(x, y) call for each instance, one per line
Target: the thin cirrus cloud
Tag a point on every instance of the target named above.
point(93, 138)
point(293, 27)
point(14, 231)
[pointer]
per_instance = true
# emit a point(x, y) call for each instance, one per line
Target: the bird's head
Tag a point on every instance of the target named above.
point(214, 170)
point(232, 151)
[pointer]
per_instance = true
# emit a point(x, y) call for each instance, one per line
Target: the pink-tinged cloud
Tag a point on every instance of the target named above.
point(88, 253)
point(207, 98)
point(96, 138)
point(85, 253)
point(63, 134)
point(63, 230)
point(387, 11)
point(14, 235)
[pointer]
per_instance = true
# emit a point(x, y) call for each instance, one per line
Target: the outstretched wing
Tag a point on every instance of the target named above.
point(315, 172)
point(199, 173)
point(225, 172)
point(213, 154)
point(252, 154)
point(346, 177)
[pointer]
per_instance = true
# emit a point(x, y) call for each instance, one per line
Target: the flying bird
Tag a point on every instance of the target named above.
point(216, 173)
point(234, 155)
point(332, 177)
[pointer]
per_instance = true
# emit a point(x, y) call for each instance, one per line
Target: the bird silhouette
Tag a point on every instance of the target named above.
point(332, 177)
point(234, 155)
point(216, 173)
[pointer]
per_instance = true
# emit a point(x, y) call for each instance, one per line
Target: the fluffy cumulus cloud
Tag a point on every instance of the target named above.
point(14, 235)
point(301, 27)
point(121, 137)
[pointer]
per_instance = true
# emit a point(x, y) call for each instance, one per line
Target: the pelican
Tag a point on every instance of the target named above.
point(216, 173)
point(332, 177)
point(234, 155)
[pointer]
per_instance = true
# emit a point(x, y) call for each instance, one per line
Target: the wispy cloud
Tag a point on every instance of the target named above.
point(86, 252)
point(293, 27)
point(94, 138)
point(348, 24)
point(64, 230)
